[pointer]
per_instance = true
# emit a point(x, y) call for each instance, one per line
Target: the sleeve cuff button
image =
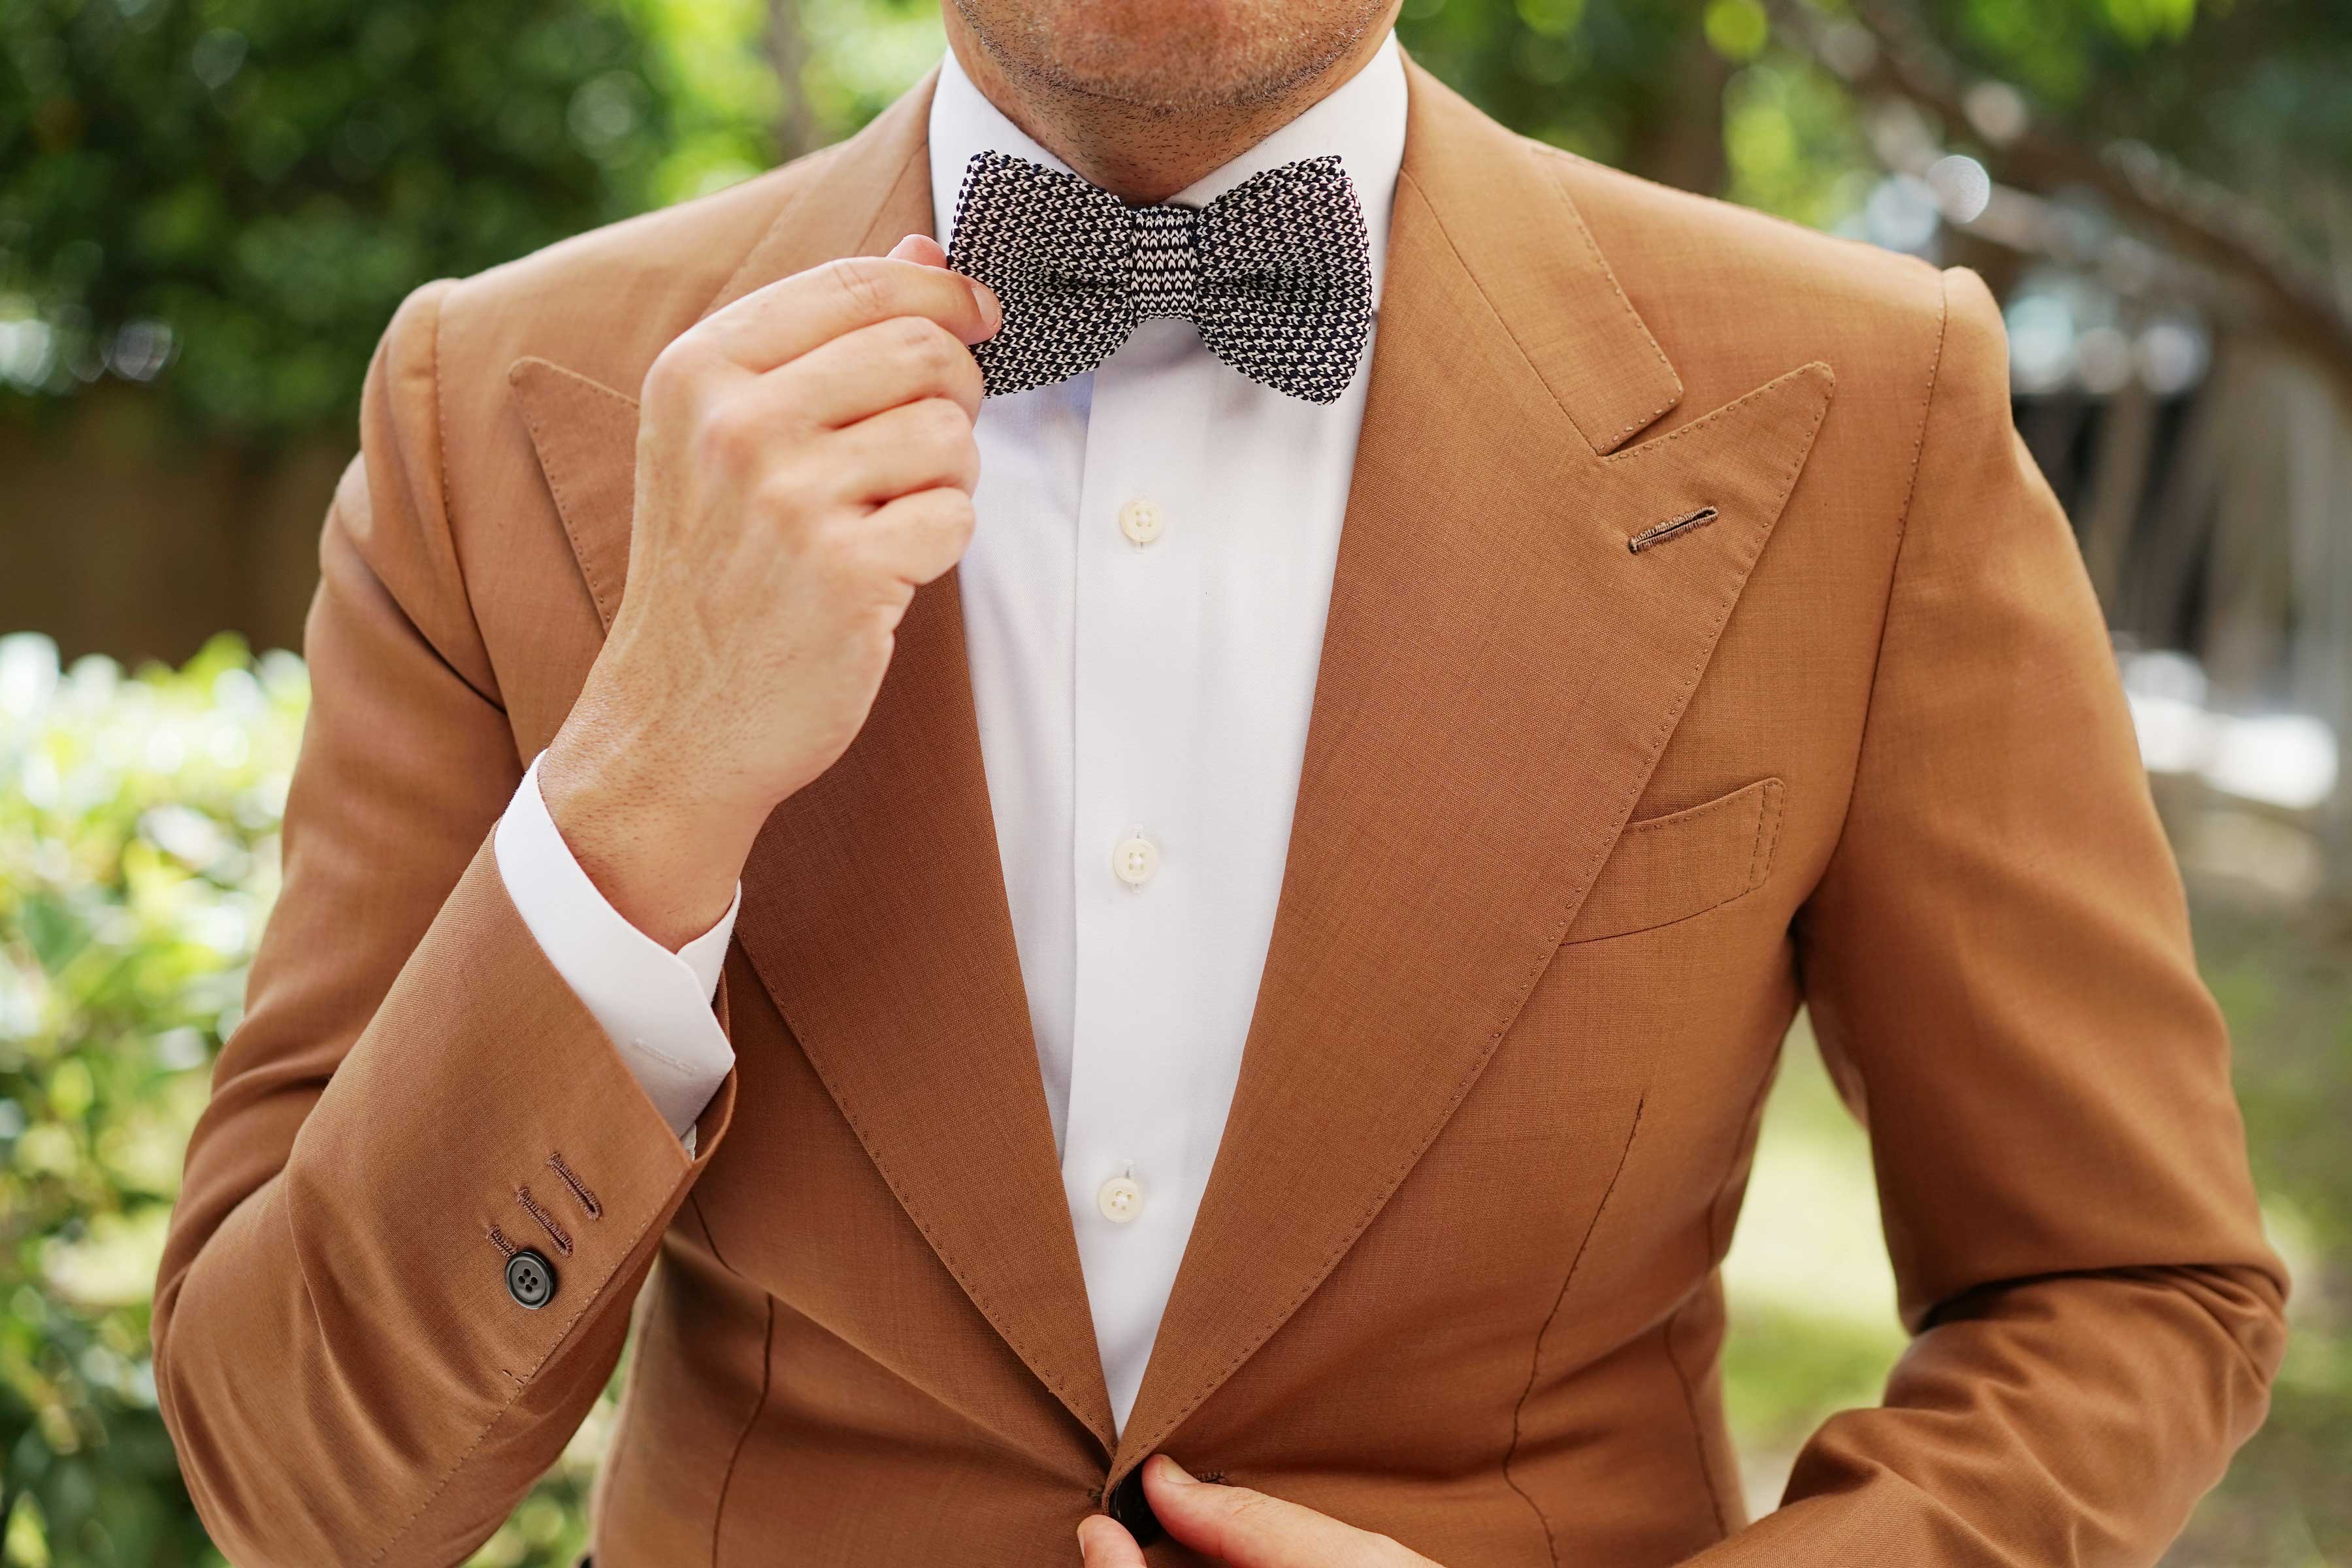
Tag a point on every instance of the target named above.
point(531, 1279)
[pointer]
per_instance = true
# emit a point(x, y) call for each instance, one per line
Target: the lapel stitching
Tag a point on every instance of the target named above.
point(548, 444)
point(1671, 390)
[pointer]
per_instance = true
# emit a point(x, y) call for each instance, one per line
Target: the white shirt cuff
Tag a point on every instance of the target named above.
point(655, 1003)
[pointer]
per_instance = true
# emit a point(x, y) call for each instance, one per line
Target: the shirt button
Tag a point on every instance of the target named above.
point(1120, 1200)
point(530, 1279)
point(1141, 521)
point(1135, 859)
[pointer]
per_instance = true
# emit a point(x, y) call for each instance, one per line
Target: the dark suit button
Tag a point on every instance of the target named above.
point(531, 1279)
point(1127, 1505)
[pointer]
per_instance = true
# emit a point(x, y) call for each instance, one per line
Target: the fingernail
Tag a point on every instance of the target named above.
point(1170, 1471)
point(1082, 1541)
point(991, 309)
point(902, 245)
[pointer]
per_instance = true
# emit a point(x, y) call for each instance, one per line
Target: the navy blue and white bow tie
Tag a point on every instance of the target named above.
point(1276, 273)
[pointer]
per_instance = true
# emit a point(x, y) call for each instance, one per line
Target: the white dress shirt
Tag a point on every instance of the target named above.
point(1143, 600)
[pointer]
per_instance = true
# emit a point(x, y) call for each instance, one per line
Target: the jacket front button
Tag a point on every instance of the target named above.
point(1127, 1505)
point(531, 1279)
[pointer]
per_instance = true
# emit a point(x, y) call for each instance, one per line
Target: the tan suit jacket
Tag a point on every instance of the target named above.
point(1588, 810)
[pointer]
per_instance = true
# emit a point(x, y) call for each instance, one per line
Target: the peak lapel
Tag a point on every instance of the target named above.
point(1500, 673)
point(874, 904)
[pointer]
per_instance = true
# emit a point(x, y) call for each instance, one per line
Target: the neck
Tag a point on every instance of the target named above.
point(1141, 152)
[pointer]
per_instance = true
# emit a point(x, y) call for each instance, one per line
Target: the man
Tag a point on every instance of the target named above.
point(1254, 935)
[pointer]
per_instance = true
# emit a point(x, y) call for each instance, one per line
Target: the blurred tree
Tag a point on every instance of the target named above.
point(2168, 156)
point(232, 195)
point(229, 195)
point(1735, 97)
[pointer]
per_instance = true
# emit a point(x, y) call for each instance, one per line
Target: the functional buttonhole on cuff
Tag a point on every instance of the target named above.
point(538, 1211)
point(578, 1188)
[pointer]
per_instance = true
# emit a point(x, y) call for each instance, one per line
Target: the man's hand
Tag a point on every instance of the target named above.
point(805, 463)
point(1240, 1528)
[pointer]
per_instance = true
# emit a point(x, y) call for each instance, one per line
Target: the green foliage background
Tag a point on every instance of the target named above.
point(138, 834)
point(263, 180)
point(229, 196)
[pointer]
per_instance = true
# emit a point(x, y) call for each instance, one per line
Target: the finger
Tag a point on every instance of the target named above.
point(881, 366)
point(792, 315)
point(914, 446)
point(918, 537)
point(921, 249)
point(1104, 1543)
point(1249, 1530)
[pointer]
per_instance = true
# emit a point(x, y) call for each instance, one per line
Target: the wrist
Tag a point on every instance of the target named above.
point(664, 851)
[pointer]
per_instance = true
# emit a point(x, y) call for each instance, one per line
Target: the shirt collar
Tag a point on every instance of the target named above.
point(1363, 121)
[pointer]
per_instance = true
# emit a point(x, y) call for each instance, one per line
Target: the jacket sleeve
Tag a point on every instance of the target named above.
point(412, 1093)
point(1999, 970)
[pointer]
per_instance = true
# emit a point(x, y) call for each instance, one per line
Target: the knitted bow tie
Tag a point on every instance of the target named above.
point(1276, 273)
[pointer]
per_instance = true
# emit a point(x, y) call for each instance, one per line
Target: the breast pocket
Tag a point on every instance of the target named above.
point(1668, 869)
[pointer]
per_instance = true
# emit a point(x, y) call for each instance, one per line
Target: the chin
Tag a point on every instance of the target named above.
point(1170, 53)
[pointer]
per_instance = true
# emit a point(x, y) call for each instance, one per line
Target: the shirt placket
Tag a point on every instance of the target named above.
point(1136, 861)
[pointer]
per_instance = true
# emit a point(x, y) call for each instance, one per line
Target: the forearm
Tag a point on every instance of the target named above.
point(341, 1360)
point(344, 1372)
point(2070, 1420)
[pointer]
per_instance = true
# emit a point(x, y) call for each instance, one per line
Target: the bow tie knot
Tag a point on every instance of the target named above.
point(1276, 273)
point(1166, 265)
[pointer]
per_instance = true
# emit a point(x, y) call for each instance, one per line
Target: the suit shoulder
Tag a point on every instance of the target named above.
point(1722, 284)
point(605, 301)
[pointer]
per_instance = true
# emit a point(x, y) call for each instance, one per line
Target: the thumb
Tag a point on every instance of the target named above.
point(924, 251)
point(920, 249)
point(1244, 1529)
point(1104, 1543)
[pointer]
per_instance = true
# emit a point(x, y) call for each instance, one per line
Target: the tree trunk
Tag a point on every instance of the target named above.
point(1679, 142)
point(788, 52)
